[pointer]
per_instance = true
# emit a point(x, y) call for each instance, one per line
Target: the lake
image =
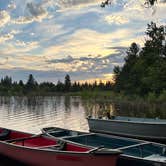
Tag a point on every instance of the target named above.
point(33, 113)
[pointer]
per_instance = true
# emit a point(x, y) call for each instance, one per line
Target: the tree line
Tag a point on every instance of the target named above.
point(32, 87)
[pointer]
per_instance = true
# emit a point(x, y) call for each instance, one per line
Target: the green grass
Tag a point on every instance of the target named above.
point(110, 95)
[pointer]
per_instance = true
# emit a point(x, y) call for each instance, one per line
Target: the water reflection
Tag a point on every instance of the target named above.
point(31, 114)
point(144, 110)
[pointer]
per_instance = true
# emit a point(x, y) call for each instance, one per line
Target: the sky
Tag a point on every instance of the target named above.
point(52, 38)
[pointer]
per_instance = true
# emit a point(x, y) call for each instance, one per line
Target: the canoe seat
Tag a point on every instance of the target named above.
point(61, 145)
point(4, 134)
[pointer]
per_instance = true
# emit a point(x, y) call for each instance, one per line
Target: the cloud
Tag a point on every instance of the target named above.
point(3, 61)
point(90, 51)
point(28, 45)
point(34, 12)
point(23, 20)
point(116, 19)
point(83, 68)
point(48, 30)
point(17, 47)
point(88, 63)
point(8, 36)
point(4, 18)
point(11, 6)
point(76, 3)
point(83, 42)
point(24, 60)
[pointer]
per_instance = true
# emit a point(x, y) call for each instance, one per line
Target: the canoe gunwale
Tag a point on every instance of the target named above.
point(61, 138)
point(58, 130)
point(130, 121)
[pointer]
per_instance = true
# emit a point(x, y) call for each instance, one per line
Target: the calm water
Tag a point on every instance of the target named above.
point(32, 114)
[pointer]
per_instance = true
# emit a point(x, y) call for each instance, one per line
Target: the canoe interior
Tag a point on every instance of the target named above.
point(10, 134)
point(45, 143)
point(59, 132)
point(98, 140)
point(129, 147)
point(40, 142)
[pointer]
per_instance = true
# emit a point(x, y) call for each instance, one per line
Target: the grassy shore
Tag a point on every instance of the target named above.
point(151, 106)
point(106, 95)
point(110, 95)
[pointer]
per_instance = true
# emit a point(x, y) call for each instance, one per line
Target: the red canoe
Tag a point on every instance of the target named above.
point(39, 150)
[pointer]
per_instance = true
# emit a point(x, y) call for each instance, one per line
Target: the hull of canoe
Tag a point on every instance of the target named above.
point(37, 157)
point(45, 158)
point(148, 131)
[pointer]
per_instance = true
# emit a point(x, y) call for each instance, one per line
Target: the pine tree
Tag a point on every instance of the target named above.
point(67, 83)
point(31, 83)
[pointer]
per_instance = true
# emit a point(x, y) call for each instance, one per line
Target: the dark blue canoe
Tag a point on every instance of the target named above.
point(135, 152)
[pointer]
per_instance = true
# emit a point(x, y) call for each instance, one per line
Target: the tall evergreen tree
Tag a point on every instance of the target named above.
point(67, 83)
point(127, 76)
point(60, 86)
point(31, 83)
point(21, 83)
point(6, 81)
